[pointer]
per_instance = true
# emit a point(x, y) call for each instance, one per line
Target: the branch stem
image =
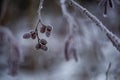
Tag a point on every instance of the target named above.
point(112, 37)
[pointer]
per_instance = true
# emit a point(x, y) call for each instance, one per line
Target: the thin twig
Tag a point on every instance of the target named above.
point(39, 19)
point(36, 30)
point(108, 69)
point(112, 37)
point(39, 13)
point(39, 10)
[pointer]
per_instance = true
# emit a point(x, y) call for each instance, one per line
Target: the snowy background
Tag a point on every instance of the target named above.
point(94, 49)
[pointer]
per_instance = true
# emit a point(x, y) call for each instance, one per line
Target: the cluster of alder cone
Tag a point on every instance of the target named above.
point(46, 29)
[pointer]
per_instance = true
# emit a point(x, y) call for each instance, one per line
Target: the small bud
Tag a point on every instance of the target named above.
point(49, 28)
point(43, 47)
point(105, 9)
point(26, 36)
point(48, 33)
point(33, 34)
point(111, 3)
point(38, 46)
point(43, 29)
point(43, 41)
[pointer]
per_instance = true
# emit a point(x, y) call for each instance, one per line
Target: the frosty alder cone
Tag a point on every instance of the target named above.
point(41, 46)
point(48, 33)
point(43, 29)
point(34, 34)
point(44, 47)
point(26, 36)
point(38, 46)
point(48, 30)
point(43, 41)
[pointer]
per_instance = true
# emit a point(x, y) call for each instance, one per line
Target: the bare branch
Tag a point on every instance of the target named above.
point(39, 18)
point(108, 69)
point(39, 11)
point(112, 37)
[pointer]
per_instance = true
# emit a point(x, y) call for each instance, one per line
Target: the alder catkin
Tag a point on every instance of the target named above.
point(33, 34)
point(48, 33)
point(49, 28)
point(26, 36)
point(38, 46)
point(44, 47)
point(43, 29)
point(43, 41)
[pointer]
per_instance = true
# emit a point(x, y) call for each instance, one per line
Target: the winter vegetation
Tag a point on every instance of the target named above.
point(59, 40)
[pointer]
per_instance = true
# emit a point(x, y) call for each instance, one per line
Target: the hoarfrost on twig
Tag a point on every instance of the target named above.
point(112, 37)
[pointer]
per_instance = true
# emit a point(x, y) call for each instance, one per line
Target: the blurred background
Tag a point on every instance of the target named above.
point(94, 50)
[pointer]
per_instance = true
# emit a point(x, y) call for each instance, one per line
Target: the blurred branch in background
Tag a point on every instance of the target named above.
point(8, 42)
point(3, 9)
point(113, 38)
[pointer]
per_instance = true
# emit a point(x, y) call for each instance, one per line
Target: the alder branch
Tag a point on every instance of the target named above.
point(39, 10)
point(39, 18)
point(112, 37)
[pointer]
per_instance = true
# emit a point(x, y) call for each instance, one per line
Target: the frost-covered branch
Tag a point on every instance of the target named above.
point(39, 10)
point(113, 38)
